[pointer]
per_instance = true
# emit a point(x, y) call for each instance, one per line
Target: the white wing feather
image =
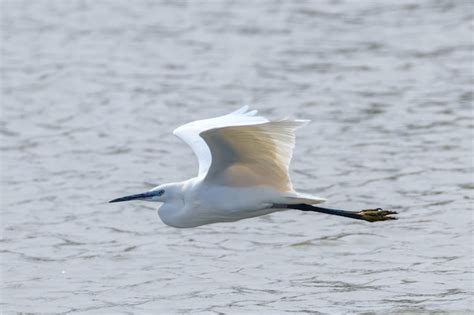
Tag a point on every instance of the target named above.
point(190, 133)
point(252, 155)
point(241, 149)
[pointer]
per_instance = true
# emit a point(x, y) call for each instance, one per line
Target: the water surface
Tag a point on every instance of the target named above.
point(92, 90)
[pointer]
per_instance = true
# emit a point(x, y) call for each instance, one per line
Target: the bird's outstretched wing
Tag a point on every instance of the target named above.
point(243, 149)
point(250, 155)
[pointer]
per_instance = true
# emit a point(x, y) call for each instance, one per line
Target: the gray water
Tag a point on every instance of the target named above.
point(91, 91)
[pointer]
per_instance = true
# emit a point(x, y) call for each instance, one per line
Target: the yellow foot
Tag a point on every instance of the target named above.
point(374, 215)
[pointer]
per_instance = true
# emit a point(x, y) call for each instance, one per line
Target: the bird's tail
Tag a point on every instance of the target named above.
point(297, 198)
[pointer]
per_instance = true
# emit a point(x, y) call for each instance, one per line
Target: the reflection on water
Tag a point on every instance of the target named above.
point(92, 90)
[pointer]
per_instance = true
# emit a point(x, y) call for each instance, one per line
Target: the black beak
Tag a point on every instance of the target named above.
point(134, 197)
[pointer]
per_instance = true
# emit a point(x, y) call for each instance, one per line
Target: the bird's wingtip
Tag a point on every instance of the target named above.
point(245, 110)
point(241, 110)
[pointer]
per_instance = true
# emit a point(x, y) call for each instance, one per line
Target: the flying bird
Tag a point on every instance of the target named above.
point(243, 173)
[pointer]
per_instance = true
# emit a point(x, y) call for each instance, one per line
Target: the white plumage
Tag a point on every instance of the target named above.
point(243, 172)
point(241, 149)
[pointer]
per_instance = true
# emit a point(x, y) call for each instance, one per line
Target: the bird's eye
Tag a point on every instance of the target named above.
point(161, 192)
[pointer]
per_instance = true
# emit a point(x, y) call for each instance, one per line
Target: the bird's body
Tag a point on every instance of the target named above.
point(243, 172)
point(204, 203)
point(201, 203)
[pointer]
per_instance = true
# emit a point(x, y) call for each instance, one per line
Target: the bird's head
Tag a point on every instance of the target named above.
point(158, 194)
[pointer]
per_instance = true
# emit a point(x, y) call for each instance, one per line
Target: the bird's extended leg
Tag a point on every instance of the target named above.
point(370, 215)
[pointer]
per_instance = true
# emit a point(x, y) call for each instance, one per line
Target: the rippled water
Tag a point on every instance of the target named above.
point(92, 90)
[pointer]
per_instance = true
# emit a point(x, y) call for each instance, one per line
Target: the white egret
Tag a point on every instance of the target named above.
point(243, 173)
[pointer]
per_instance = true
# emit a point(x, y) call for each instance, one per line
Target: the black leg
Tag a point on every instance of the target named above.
point(370, 215)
